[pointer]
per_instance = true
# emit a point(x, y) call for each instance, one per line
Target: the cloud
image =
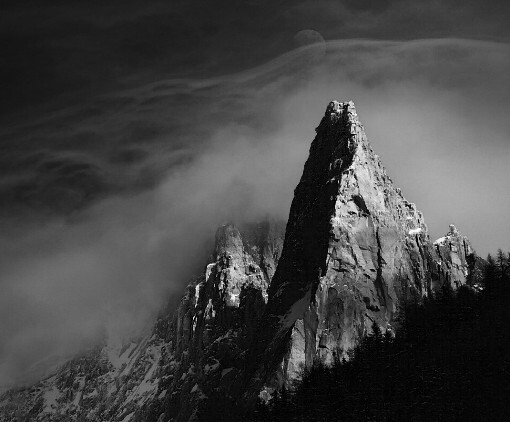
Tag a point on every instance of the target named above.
point(174, 158)
point(74, 50)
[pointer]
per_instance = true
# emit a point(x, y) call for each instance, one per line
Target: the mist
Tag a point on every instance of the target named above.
point(129, 187)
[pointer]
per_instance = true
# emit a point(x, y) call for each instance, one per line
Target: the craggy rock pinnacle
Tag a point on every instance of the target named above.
point(354, 249)
point(455, 253)
point(216, 320)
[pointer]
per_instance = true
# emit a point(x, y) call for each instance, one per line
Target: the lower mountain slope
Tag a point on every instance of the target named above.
point(189, 355)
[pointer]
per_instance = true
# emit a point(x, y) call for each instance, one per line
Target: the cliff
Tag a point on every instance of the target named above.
point(354, 250)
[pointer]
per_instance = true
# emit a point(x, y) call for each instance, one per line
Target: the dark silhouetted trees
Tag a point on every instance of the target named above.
point(449, 361)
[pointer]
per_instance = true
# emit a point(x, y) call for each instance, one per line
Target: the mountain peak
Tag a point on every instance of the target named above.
point(337, 111)
point(337, 108)
point(341, 112)
point(453, 230)
point(355, 249)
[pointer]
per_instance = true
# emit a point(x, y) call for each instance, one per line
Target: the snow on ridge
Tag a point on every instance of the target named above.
point(50, 399)
point(415, 231)
point(440, 241)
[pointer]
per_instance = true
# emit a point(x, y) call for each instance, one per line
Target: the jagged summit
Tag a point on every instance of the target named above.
point(458, 257)
point(452, 232)
point(337, 108)
point(354, 249)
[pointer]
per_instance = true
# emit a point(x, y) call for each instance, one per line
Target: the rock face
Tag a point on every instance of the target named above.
point(354, 249)
point(456, 254)
point(216, 320)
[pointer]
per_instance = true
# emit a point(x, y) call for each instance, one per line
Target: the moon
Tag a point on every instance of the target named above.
point(308, 37)
point(313, 40)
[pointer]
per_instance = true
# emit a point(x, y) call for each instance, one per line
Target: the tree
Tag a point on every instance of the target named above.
point(502, 264)
point(376, 332)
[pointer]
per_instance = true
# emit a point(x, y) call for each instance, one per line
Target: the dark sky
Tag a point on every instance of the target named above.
point(130, 130)
point(74, 49)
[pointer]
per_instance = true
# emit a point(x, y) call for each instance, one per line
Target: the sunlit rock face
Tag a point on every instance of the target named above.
point(355, 249)
point(456, 255)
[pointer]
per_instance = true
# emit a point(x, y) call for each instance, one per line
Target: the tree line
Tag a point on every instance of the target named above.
point(448, 361)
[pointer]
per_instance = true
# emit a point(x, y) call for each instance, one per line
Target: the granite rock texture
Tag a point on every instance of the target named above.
point(215, 322)
point(355, 249)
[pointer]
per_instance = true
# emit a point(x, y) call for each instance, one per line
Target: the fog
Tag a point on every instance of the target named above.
point(110, 206)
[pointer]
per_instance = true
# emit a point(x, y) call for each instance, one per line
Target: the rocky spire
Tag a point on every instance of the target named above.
point(215, 322)
point(354, 249)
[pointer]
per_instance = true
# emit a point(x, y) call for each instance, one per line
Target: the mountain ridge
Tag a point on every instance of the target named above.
point(272, 300)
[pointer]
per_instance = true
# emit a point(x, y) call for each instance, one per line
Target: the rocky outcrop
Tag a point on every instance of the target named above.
point(354, 250)
point(216, 321)
point(454, 252)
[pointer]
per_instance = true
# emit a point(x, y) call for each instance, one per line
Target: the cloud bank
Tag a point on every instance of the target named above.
point(109, 207)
